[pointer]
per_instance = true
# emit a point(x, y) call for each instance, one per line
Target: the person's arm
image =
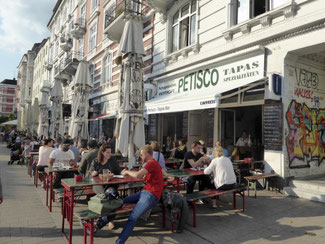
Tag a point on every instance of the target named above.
point(209, 169)
point(195, 164)
point(83, 166)
point(135, 174)
point(51, 162)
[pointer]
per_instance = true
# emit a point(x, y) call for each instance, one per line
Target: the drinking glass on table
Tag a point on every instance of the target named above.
point(106, 173)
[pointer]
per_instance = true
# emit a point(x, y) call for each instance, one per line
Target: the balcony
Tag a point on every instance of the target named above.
point(66, 42)
point(114, 18)
point(59, 72)
point(48, 65)
point(161, 6)
point(46, 86)
point(71, 62)
point(78, 28)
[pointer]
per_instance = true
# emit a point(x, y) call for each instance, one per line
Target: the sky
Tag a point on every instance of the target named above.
point(22, 23)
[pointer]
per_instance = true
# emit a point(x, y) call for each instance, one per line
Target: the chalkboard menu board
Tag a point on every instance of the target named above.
point(153, 127)
point(273, 126)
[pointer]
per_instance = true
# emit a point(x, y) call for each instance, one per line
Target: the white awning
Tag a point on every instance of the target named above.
point(180, 102)
point(187, 102)
point(11, 122)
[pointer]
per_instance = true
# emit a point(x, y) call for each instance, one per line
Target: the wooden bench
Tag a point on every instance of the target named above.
point(193, 197)
point(88, 217)
point(252, 180)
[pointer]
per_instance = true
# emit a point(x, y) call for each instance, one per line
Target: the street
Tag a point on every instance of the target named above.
point(270, 218)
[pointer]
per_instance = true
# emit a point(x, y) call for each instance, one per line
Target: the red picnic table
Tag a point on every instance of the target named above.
point(173, 162)
point(49, 182)
point(70, 186)
point(180, 173)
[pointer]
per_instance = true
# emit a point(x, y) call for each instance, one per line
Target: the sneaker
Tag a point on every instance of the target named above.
point(111, 225)
point(42, 185)
point(214, 206)
point(199, 201)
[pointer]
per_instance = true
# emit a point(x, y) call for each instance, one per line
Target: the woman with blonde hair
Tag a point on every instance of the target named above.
point(225, 151)
point(224, 177)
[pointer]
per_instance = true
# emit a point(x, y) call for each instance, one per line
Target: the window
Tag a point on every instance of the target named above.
point(92, 73)
point(94, 4)
point(247, 9)
point(184, 26)
point(83, 12)
point(107, 70)
point(92, 37)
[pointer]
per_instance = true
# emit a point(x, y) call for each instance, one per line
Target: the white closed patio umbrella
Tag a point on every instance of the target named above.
point(43, 124)
point(57, 129)
point(35, 115)
point(129, 129)
point(80, 103)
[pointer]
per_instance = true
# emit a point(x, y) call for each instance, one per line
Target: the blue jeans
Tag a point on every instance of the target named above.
point(145, 201)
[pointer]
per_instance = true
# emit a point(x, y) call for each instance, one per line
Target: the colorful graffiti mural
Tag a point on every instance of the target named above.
point(306, 138)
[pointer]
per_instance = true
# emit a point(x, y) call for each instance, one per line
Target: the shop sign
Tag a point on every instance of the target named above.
point(215, 79)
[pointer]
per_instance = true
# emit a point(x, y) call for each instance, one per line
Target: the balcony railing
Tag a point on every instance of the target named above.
point(73, 57)
point(133, 7)
point(78, 28)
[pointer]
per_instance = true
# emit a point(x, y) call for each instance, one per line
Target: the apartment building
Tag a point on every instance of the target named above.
point(25, 88)
point(41, 79)
point(90, 30)
point(225, 66)
point(8, 97)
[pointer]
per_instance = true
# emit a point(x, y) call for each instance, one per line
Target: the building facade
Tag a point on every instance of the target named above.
point(221, 67)
point(90, 30)
point(8, 97)
point(41, 78)
point(25, 88)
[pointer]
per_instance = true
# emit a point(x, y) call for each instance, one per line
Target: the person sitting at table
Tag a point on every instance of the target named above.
point(88, 157)
point(179, 152)
point(203, 147)
point(243, 141)
point(104, 160)
point(157, 155)
point(83, 148)
point(225, 151)
point(149, 197)
point(62, 155)
point(75, 151)
point(44, 156)
point(194, 159)
point(224, 177)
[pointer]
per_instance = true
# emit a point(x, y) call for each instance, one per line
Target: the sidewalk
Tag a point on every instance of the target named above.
point(23, 217)
point(270, 218)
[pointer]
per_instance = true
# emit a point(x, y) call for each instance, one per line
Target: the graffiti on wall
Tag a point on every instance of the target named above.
point(306, 138)
point(307, 86)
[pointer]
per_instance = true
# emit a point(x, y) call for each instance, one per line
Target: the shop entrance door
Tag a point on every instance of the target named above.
point(227, 126)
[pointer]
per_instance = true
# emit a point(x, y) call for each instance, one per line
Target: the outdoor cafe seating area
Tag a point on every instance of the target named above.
point(74, 192)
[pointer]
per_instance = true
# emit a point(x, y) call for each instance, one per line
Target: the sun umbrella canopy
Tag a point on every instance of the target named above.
point(80, 106)
point(57, 116)
point(130, 123)
point(43, 125)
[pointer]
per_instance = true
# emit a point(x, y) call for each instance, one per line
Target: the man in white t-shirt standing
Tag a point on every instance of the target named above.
point(63, 155)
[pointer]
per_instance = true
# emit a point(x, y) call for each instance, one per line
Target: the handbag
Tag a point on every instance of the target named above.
point(102, 205)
